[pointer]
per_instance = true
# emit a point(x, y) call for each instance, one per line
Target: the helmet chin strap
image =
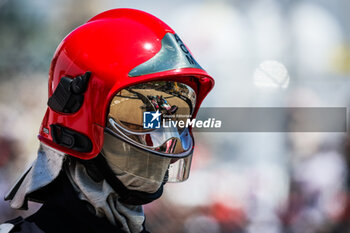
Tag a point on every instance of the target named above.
point(98, 169)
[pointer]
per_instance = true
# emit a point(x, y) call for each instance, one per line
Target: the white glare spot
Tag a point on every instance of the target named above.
point(271, 74)
point(148, 46)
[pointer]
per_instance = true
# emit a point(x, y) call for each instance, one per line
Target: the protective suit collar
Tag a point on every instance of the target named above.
point(47, 167)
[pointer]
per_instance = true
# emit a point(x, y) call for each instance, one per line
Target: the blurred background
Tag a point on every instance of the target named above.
point(239, 182)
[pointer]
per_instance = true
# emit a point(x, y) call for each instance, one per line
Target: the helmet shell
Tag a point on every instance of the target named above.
point(110, 45)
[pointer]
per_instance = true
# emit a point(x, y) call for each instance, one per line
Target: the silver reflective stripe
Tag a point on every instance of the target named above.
point(172, 55)
point(6, 227)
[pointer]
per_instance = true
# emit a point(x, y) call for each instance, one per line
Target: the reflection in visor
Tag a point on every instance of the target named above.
point(169, 98)
point(172, 100)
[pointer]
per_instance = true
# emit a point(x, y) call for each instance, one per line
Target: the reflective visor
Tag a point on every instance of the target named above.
point(136, 144)
point(137, 113)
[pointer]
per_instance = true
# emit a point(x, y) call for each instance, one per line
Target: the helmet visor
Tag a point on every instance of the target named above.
point(157, 153)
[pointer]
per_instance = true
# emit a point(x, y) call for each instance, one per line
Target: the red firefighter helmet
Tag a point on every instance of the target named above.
point(113, 50)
